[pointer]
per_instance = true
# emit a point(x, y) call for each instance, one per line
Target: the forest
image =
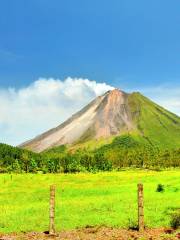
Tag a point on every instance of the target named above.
point(123, 152)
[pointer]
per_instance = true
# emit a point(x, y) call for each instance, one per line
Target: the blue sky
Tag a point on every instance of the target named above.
point(133, 42)
point(133, 45)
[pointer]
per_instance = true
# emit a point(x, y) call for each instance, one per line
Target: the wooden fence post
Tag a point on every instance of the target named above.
point(140, 208)
point(52, 210)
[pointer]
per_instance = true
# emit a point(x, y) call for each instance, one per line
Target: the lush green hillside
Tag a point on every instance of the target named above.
point(158, 126)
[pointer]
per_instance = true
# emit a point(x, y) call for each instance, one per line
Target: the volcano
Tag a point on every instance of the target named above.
point(113, 114)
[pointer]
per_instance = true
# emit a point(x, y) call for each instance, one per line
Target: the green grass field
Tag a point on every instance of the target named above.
point(86, 199)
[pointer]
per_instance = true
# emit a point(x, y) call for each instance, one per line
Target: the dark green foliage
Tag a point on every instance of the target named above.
point(175, 220)
point(101, 163)
point(13, 159)
point(124, 151)
point(160, 188)
point(125, 141)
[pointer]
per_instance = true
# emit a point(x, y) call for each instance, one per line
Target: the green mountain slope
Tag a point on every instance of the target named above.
point(158, 126)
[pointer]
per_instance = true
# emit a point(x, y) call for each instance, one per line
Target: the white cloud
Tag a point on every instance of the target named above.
point(44, 104)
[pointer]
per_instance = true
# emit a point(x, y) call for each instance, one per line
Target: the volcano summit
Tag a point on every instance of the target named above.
point(112, 114)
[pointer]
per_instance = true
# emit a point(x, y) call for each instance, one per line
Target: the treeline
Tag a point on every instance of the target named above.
point(123, 152)
point(14, 159)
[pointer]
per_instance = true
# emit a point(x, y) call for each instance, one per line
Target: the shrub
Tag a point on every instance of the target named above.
point(160, 188)
point(132, 225)
point(3, 170)
point(175, 220)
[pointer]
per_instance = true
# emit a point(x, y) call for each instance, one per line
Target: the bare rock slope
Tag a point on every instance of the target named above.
point(105, 116)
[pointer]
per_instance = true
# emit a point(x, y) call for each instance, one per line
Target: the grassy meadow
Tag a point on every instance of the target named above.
point(108, 198)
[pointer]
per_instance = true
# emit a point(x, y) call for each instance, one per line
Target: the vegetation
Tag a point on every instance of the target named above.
point(175, 220)
point(121, 152)
point(160, 188)
point(158, 126)
point(13, 159)
point(104, 198)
